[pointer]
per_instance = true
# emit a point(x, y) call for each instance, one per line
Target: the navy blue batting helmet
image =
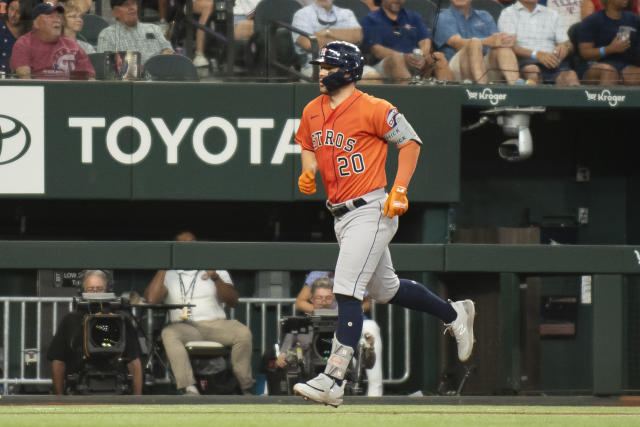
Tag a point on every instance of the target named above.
point(345, 55)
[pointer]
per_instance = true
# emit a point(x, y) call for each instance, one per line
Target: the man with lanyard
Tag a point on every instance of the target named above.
point(344, 134)
point(207, 290)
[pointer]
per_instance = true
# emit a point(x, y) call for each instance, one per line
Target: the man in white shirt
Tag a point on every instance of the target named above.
point(327, 23)
point(542, 44)
point(207, 290)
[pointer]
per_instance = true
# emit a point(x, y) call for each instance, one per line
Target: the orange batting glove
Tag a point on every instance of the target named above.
point(397, 202)
point(307, 182)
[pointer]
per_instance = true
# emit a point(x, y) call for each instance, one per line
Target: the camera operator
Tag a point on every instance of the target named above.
point(65, 351)
point(322, 298)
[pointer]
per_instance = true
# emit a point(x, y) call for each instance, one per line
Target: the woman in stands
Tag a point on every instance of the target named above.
point(72, 22)
point(11, 27)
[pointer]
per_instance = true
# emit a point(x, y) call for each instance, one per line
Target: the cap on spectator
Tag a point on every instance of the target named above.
point(45, 8)
point(115, 3)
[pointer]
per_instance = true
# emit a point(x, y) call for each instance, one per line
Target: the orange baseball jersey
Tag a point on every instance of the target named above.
point(348, 143)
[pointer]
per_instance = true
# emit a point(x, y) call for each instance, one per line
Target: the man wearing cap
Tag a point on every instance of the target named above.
point(47, 54)
point(129, 34)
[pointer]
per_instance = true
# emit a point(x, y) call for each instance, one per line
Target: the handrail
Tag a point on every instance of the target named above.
point(436, 258)
point(9, 331)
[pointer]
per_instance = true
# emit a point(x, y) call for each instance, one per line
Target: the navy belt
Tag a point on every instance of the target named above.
point(342, 208)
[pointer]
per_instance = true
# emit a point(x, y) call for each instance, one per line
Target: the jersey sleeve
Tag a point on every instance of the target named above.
point(383, 115)
point(303, 135)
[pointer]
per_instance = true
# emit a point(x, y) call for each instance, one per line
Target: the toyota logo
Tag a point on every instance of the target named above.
point(15, 139)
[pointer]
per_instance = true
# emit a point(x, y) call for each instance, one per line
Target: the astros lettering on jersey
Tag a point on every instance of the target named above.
point(349, 148)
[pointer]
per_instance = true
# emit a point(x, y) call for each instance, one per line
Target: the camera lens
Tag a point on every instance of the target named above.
point(105, 332)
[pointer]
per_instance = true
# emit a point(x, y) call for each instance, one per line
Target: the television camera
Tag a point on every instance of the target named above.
point(307, 347)
point(102, 342)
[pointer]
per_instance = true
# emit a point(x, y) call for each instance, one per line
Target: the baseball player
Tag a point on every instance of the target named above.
point(344, 135)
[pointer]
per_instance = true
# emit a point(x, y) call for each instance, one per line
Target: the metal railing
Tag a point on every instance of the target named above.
point(32, 321)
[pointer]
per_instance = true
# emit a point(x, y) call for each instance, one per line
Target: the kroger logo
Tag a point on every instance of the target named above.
point(605, 96)
point(486, 95)
point(14, 139)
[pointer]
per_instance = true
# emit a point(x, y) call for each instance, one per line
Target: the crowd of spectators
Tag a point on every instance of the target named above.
point(528, 42)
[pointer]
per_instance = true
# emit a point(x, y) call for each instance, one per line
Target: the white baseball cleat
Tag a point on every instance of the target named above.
point(321, 389)
point(462, 327)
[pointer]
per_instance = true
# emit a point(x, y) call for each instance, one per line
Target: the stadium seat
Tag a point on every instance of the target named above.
point(93, 24)
point(267, 12)
point(170, 67)
point(98, 62)
point(357, 6)
point(426, 8)
point(491, 6)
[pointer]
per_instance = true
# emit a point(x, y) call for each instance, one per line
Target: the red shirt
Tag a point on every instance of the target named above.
point(348, 143)
point(49, 60)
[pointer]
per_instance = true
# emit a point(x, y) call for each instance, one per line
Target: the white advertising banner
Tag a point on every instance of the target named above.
point(22, 140)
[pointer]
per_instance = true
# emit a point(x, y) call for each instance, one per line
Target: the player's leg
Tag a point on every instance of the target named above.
point(363, 235)
point(457, 316)
point(374, 375)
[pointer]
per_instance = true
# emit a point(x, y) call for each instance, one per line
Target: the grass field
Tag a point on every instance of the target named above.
point(315, 415)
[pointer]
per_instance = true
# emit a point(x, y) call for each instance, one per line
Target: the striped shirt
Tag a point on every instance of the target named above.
point(144, 38)
point(541, 29)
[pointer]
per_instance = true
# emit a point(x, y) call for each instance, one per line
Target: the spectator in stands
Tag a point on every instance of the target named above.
point(542, 44)
point(475, 49)
point(612, 55)
point(391, 34)
point(207, 290)
point(569, 10)
point(328, 23)
point(317, 293)
point(72, 23)
point(129, 34)
point(66, 349)
point(242, 21)
point(11, 29)
point(46, 53)
point(591, 6)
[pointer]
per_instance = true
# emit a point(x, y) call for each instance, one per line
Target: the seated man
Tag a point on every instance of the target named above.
point(207, 290)
point(542, 44)
point(46, 53)
point(317, 293)
point(129, 34)
point(327, 23)
point(475, 49)
point(401, 42)
point(66, 349)
point(612, 50)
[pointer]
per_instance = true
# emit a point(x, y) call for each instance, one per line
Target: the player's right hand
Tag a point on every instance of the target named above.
point(307, 182)
point(397, 202)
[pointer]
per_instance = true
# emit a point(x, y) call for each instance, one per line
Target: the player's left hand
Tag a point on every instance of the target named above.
point(397, 202)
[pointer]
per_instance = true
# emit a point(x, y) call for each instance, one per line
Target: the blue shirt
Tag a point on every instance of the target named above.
point(6, 46)
point(599, 29)
point(402, 35)
point(451, 22)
